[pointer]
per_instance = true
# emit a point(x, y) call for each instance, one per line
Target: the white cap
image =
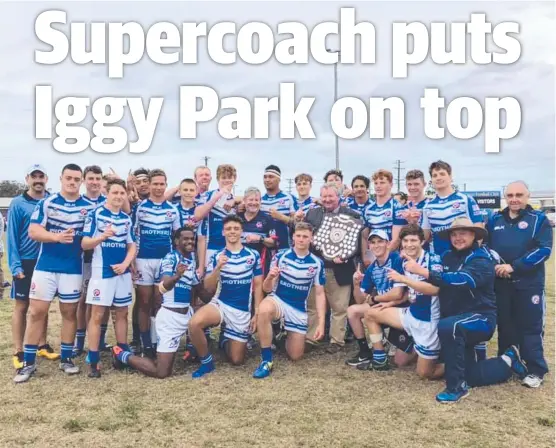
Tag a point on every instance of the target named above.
point(380, 233)
point(36, 167)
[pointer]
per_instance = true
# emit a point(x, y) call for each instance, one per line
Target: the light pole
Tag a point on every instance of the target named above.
point(336, 142)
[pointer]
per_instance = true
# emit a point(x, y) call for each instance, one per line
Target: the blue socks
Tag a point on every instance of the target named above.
point(30, 354)
point(67, 350)
point(146, 339)
point(123, 356)
point(207, 366)
point(379, 355)
point(124, 347)
point(80, 339)
point(266, 354)
point(94, 357)
point(103, 328)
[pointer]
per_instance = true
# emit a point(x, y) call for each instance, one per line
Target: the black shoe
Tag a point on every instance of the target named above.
point(380, 366)
point(367, 365)
point(94, 372)
point(359, 359)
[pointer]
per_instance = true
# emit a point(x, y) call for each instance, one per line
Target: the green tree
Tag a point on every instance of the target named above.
point(11, 188)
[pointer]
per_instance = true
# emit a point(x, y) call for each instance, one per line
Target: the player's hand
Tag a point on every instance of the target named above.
point(180, 269)
point(347, 191)
point(274, 272)
point(299, 215)
point(503, 270)
point(319, 332)
point(253, 324)
point(109, 232)
point(382, 305)
point(20, 276)
point(358, 275)
point(65, 237)
point(412, 266)
point(228, 205)
point(274, 213)
point(120, 268)
point(134, 271)
point(395, 276)
point(338, 260)
point(201, 271)
point(250, 238)
point(222, 260)
point(240, 208)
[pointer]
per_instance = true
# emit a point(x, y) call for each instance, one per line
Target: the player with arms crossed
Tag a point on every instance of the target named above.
point(238, 270)
point(108, 231)
point(373, 290)
point(155, 220)
point(179, 285)
point(293, 273)
point(57, 223)
point(420, 318)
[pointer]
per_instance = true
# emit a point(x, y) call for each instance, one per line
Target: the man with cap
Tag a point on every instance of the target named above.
point(523, 239)
point(465, 287)
point(22, 258)
point(278, 204)
point(374, 290)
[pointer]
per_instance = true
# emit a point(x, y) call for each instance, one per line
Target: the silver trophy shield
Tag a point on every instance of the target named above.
point(338, 236)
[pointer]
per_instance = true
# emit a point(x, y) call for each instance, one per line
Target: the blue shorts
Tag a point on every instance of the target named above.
point(21, 287)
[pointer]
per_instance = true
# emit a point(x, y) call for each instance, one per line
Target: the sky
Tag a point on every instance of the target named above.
point(530, 156)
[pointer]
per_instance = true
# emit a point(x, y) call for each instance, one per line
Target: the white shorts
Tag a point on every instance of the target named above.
point(148, 271)
point(170, 327)
point(294, 320)
point(114, 291)
point(47, 285)
point(208, 256)
point(87, 269)
point(424, 334)
point(236, 321)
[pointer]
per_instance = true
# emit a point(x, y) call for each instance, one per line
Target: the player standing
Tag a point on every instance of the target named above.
point(108, 232)
point(304, 201)
point(235, 274)
point(293, 273)
point(57, 223)
point(360, 188)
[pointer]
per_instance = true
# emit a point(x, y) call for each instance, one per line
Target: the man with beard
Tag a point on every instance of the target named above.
point(22, 258)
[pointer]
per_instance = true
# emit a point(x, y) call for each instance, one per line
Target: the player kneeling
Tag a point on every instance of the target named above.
point(108, 231)
point(420, 318)
point(178, 285)
point(293, 272)
point(238, 270)
point(374, 291)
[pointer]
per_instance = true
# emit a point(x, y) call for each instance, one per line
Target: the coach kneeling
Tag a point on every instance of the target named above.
point(468, 314)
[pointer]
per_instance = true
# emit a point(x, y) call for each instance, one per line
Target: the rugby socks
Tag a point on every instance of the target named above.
point(67, 350)
point(266, 354)
point(207, 366)
point(123, 355)
point(103, 329)
point(364, 349)
point(29, 354)
point(379, 356)
point(146, 339)
point(481, 351)
point(94, 357)
point(124, 347)
point(79, 339)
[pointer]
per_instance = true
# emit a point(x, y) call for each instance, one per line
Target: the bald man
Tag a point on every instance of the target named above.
point(523, 239)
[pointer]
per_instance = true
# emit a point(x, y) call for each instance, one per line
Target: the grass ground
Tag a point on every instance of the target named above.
point(316, 402)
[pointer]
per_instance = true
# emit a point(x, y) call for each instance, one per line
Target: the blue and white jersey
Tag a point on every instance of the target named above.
point(113, 250)
point(283, 203)
point(384, 216)
point(236, 277)
point(439, 213)
point(305, 205)
point(187, 215)
point(57, 214)
point(180, 295)
point(297, 277)
point(376, 275)
point(359, 208)
point(154, 225)
point(213, 225)
point(88, 254)
point(422, 306)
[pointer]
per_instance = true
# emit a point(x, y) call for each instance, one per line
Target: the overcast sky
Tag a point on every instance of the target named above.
point(530, 156)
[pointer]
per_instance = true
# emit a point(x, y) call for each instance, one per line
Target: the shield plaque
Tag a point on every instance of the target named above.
point(338, 236)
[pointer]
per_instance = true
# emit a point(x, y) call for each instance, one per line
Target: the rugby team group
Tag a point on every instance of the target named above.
point(428, 284)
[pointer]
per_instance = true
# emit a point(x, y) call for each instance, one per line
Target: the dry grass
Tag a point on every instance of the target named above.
point(317, 402)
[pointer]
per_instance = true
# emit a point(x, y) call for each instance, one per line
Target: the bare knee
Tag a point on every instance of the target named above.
point(37, 313)
point(236, 358)
point(424, 372)
point(295, 356)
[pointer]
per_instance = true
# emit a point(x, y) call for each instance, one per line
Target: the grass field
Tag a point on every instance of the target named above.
point(316, 402)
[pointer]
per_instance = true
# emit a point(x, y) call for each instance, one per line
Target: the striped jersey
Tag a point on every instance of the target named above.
point(213, 225)
point(88, 254)
point(57, 214)
point(305, 205)
point(359, 208)
point(297, 277)
point(236, 277)
point(154, 225)
point(187, 215)
point(113, 250)
point(180, 295)
point(376, 275)
point(384, 216)
point(283, 203)
point(421, 306)
point(439, 213)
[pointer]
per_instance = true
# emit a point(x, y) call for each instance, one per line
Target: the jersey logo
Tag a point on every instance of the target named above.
point(456, 205)
point(499, 228)
point(259, 225)
point(282, 201)
point(535, 299)
point(168, 215)
point(387, 213)
point(33, 286)
point(96, 292)
point(523, 225)
point(83, 211)
point(310, 271)
point(250, 261)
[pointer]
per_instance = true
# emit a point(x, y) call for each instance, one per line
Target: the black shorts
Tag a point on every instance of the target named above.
point(401, 340)
point(21, 287)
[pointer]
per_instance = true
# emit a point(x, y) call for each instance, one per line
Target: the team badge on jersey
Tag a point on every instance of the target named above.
point(259, 225)
point(387, 213)
point(250, 261)
point(83, 211)
point(456, 205)
point(523, 225)
point(535, 299)
point(168, 215)
point(310, 271)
